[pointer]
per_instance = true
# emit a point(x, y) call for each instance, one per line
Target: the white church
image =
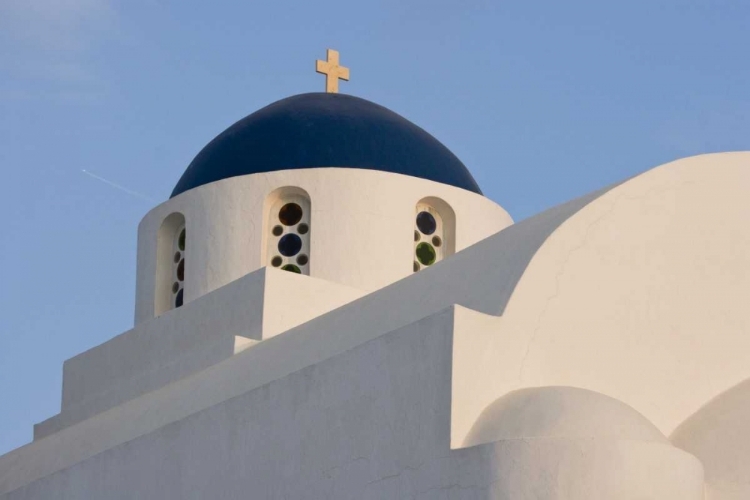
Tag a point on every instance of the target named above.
point(327, 307)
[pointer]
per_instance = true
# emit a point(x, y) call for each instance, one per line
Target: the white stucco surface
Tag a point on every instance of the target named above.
point(370, 423)
point(560, 412)
point(717, 435)
point(640, 295)
point(572, 342)
point(184, 341)
point(361, 229)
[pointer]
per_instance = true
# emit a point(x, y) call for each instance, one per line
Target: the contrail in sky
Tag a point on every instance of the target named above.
point(117, 186)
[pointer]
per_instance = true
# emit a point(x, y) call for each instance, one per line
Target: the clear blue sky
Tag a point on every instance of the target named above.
point(543, 101)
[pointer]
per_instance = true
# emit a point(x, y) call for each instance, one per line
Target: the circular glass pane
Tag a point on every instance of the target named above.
point(290, 214)
point(178, 299)
point(437, 241)
point(277, 230)
point(292, 268)
point(302, 260)
point(181, 270)
point(303, 228)
point(181, 240)
point(175, 287)
point(426, 254)
point(416, 266)
point(426, 222)
point(276, 261)
point(417, 236)
point(177, 257)
point(290, 244)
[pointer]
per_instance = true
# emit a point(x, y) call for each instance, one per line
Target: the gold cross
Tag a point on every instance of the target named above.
point(332, 70)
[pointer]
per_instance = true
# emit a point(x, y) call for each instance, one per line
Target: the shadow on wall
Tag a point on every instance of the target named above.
point(717, 434)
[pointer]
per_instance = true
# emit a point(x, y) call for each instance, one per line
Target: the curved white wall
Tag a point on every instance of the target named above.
point(590, 469)
point(718, 435)
point(566, 442)
point(643, 294)
point(361, 228)
point(560, 412)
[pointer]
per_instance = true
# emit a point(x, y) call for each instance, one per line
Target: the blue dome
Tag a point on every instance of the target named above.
point(325, 130)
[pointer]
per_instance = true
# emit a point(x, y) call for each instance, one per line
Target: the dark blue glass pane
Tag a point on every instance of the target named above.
point(426, 222)
point(290, 245)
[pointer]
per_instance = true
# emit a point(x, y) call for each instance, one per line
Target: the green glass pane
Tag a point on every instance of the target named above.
point(426, 254)
point(291, 268)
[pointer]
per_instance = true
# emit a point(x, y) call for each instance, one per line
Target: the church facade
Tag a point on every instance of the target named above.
point(327, 307)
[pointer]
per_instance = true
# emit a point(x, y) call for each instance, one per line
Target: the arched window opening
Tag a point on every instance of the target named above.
point(288, 230)
point(170, 265)
point(434, 232)
point(178, 268)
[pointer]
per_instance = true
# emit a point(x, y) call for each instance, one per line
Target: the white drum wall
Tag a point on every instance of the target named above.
point(361, 229)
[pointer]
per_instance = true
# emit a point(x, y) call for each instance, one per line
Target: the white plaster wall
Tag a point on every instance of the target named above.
point(370, 423)
point(291, 300)
point(561, 412)
point(383, 405)
point(585, 469)
point(651, 274)
point(636, 291)
point(718, 436)
point(642, 294)
point(567, 442)
point(361, 233)
point(192, 338)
